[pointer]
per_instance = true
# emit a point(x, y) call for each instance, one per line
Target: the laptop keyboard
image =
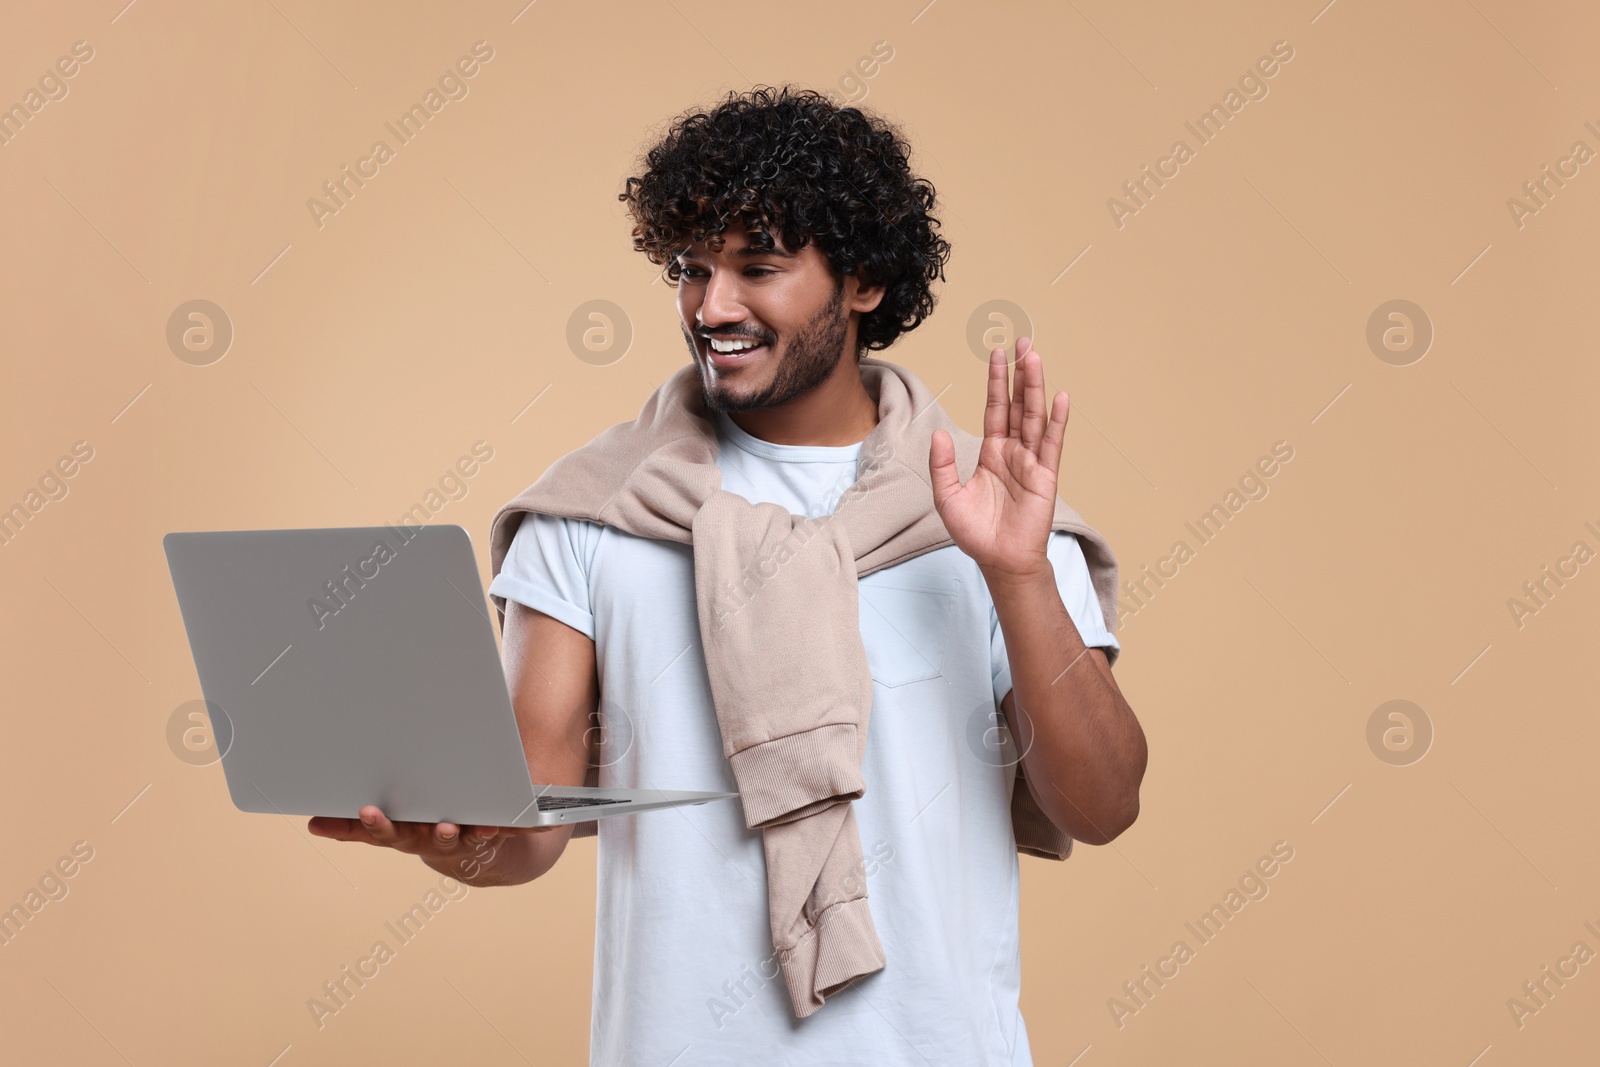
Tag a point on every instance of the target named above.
point(556, 803)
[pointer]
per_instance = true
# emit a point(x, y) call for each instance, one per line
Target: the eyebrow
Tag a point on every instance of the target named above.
point(743, 253)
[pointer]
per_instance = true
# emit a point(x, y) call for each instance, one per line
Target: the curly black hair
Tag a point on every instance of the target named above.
point(792, 161)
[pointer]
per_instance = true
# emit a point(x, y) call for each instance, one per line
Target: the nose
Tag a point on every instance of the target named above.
point(721, 304)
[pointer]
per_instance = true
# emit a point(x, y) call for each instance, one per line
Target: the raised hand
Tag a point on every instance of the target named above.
point(1001, 516)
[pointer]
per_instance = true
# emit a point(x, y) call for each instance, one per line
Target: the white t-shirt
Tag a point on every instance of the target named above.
point(685, 973)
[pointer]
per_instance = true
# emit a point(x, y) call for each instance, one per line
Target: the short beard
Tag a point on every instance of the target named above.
point(811, 356)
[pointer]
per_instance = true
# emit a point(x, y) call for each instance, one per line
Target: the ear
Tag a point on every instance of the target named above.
point(860, 295)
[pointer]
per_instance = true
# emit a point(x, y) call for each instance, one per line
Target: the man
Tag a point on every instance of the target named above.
point(798, 240)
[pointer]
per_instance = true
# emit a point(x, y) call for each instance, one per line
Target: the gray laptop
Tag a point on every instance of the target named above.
point(352, 666)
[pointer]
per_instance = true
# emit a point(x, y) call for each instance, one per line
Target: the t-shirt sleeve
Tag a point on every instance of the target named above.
point(1082, 603)
point(547, 568)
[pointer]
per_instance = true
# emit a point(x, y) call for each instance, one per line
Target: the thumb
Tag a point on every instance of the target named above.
point(942, 465)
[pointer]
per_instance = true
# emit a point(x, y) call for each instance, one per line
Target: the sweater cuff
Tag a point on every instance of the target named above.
point(1035, 834)
point(788, 778)
point(842, 947)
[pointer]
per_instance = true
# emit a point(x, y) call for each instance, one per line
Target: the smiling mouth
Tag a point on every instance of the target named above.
point(737, 357)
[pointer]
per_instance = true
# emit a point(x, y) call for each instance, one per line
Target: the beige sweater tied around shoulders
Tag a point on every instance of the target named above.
point(783, 650)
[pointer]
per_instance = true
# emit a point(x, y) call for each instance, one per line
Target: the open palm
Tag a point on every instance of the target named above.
point(1001, 517)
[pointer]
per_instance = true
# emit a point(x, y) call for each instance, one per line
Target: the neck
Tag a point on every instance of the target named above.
point(839, 411)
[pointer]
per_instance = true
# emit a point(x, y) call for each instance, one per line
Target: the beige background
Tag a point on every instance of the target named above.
point(1229, 313)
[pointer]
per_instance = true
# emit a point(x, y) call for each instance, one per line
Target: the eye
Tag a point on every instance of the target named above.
point(752, 272)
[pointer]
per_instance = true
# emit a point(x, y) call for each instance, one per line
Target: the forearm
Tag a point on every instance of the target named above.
point(1084, 752)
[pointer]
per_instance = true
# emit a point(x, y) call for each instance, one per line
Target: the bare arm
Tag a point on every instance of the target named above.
point(1084, 751)
point(550, 672)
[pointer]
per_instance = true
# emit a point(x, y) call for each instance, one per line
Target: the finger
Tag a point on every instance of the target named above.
point(378, 825)
point(996, 409)
point(338, 829)
point(1014, 418)
point(446, 836)
point(1030, 368)
point(1055, 433)
point(942, 464)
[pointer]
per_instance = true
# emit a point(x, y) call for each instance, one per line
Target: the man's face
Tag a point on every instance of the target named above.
point(790, 306)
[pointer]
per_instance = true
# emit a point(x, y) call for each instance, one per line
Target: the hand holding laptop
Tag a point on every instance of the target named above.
point(459, 851)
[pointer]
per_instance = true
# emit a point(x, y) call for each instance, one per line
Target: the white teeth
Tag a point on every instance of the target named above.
point(731, 346)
